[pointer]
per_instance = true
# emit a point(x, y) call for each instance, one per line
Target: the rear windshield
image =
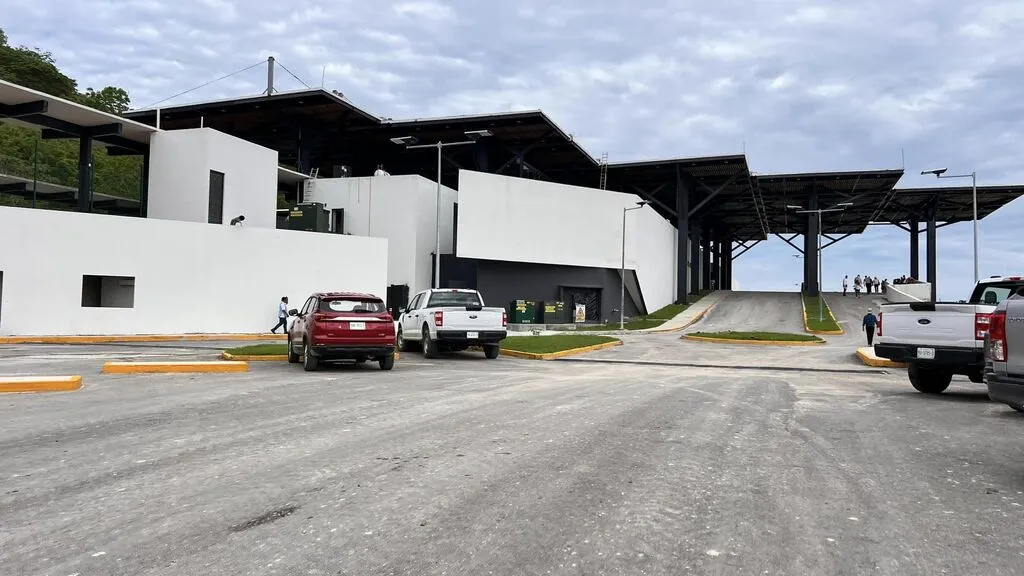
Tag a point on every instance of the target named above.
point(440, 299)
point(352, 306)
point(995, 292)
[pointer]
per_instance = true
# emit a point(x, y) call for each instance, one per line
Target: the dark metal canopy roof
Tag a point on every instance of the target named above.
point(950, 204)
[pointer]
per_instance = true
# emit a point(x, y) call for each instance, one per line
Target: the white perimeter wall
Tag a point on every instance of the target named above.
point(519, 220)
point(179, 177)
point(399, 208)
point(189, 277)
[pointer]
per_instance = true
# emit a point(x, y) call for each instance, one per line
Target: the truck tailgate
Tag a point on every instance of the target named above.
point(930, 324)
point(459, 318)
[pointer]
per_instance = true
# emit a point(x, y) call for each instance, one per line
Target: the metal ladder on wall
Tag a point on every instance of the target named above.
point(310, 185)
point(603, 182)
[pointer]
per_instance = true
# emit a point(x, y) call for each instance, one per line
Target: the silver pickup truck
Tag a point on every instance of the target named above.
point(940, 339)
point(1004, 353)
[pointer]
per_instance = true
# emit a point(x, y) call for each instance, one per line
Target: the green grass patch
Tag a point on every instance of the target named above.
point(759, 336)
point(827, 323)
point(652, 320)
point(259, 350)
point(554, 343)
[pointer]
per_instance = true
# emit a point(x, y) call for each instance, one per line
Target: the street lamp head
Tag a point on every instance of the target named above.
point(936, 171)
point(792, 207)
point(405, 140)
point(478, 134)
point(845, 204)
point(643, 202)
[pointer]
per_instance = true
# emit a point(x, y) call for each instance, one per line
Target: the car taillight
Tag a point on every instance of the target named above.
point(997, 336)
point(438, 318)
point(504, 318)
point(318, 317)
point(981, 325)
point(880, 323)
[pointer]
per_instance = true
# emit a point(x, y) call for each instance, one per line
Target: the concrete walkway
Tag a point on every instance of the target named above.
point(692, 314)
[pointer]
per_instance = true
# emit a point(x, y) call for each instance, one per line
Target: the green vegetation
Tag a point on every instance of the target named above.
point(759, 336)
point(259, 350)
point(652, 320)
point(24, 153)
point(554, 343)
point(811, 308)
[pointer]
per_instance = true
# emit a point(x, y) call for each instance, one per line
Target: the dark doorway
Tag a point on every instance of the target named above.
point(398, 297)
point(216, 214)
point(589, 297)
point(338, 220)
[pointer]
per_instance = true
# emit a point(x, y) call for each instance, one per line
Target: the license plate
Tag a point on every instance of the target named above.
point(472, 335)
point(357, 325)
point(926, 353)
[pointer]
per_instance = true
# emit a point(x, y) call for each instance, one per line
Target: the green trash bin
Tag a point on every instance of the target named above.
point(522, 312)
point(553, 312)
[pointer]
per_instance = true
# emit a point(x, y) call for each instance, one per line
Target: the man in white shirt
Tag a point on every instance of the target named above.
point(282, 316)
point(846, 284)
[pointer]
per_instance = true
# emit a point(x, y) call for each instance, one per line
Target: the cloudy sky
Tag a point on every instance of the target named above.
point(800, 85)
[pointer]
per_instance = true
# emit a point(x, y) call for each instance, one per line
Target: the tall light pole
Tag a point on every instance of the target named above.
point(622, 287)
point(410, 144)
point(941, 173)
point(837, 208)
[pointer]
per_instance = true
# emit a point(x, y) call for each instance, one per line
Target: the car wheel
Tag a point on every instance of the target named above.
point(387, 362)
point(491, 351)
point(293, 357)
point(929, 380)
point(429, 346)
point(310, 363)
point(1017, 407)
point(403, 344)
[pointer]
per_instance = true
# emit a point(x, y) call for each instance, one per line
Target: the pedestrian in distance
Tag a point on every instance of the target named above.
point(870, 321)
point(846, 284)
point(282, 316)
point(857, 283)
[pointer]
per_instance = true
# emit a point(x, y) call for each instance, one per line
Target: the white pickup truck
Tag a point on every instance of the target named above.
point(940, 339)
point(451, 320)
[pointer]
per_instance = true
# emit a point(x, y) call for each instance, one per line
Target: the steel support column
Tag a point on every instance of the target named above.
point(706, 245)
point(683, 190)
point(695, 237)
point(716, 263)
point(84, 174)
point(915, 248)
point(144, 192)
point(727, 261)
point(811, 246)
point(930, 245)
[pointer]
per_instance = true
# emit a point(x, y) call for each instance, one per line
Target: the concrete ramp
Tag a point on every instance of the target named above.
point(755, 312)
point(849, 311)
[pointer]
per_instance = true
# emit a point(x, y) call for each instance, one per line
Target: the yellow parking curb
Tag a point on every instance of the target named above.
point(12, 384)
point(173, 367)
point(252, 358)
point(560, 353)
point(867, 356)
point(809, 330)
point(756, 342)
point(125, 338)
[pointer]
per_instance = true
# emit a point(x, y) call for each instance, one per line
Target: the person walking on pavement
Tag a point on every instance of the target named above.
point(870, 321)
point(857, 283)
point(282, 316)
point(846, 284)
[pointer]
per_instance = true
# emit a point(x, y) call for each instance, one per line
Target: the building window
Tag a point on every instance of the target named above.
point(216, 215)
point(108, 291)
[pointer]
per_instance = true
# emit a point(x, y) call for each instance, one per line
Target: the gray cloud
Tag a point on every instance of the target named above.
point(801, 85)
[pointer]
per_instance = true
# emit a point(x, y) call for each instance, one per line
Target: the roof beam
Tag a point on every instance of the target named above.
point(521, 154)
point(790, 242)
point(114, 129)
point(714, 192)
point(745, 249)
point(13, 187)
point(24, 109)
point(649, 196)
point(834, 240)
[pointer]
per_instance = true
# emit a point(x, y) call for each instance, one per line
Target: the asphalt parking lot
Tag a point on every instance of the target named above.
point(467, 466)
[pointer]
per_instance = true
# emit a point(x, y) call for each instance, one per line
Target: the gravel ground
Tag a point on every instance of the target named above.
point(467, 466)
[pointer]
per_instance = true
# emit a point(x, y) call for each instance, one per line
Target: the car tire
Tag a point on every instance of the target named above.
point(1017, 407)
point(929, 380)
point(403, 344)
point(310, 363)
point(387, 362)
point(491, 351)
point(429, 346)
point(293, 357)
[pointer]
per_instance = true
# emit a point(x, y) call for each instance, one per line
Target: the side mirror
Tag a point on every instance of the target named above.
point(401, 310)
point(293, 312)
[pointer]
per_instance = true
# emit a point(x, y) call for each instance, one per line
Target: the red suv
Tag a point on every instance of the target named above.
point(342, 326)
